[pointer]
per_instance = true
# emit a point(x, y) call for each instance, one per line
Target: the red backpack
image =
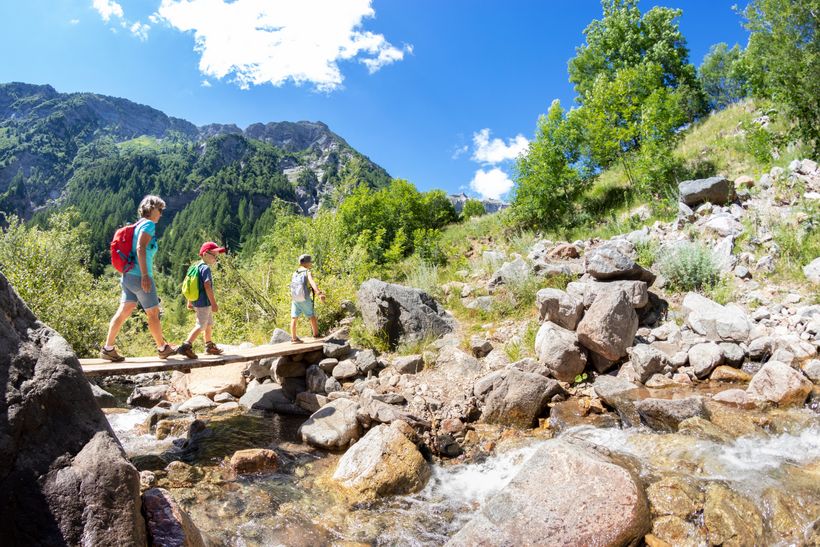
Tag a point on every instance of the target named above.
point(122, 248)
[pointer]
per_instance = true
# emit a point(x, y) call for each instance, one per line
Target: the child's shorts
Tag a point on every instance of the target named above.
point(204, 316)
point(304, 307)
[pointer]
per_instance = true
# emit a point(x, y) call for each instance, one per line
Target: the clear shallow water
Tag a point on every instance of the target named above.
point(295, 507)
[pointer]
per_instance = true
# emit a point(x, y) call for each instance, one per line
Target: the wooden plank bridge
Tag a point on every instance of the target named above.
point(97, 368)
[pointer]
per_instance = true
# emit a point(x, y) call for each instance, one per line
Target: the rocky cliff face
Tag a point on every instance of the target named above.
point(490, 205)
point(63, 475)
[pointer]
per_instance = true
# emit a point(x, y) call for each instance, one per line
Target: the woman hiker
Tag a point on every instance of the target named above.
point(138, 283)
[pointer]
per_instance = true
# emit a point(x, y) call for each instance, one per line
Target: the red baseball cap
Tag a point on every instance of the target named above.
point(210, 246)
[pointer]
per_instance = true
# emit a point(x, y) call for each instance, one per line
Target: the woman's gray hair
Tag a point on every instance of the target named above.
point(148, 204)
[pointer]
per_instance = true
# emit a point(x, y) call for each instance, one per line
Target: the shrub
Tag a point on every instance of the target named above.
point(689, 267)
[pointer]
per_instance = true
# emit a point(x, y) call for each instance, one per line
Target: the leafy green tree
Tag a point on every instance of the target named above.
point(472, 208)
point(724, 76)
point(548, 181)
point(625, 38)
point(783, 56)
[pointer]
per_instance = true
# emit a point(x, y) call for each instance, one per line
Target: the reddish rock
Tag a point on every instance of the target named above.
point(254, 460)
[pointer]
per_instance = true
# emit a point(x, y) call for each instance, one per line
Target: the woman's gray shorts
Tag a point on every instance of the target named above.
point(132, 292)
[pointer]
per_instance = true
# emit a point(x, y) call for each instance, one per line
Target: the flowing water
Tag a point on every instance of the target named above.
point(297, 505)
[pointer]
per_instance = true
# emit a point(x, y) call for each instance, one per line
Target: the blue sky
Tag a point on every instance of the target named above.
point(423, 87)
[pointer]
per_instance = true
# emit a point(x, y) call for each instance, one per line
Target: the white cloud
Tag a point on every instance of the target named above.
point(74, 21)
point(259, 41)
point(140, 30)
point(495, 151)
point(205, 83)
point(491, 184)
point(107, 9)
point(460, 151)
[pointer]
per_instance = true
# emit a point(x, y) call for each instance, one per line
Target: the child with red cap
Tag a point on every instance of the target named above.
point(205, 306)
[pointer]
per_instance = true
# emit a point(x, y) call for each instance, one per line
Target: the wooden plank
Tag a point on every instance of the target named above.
point(137, 365)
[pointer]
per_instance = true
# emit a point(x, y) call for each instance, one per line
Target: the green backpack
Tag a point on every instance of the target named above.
point(190, 285)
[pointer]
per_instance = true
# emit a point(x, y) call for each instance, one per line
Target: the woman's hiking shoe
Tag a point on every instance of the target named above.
point(212, 349)
point(166, 351)
point(296, 341)
point(111, 355)
point(187, 350)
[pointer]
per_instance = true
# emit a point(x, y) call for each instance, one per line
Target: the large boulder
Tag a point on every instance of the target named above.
point(779, 383)
point(404, 314)
point(559, 307)
point(667, 414)
point(519, 399)
point(588, 290)
point(210, 381)
point(609, 325)
point(717, 190)
point(169, 524)
point(812, 271)
point(610, 261)
point(510, 273)
point(456, 364)
point(564, 495)
point(558, 349)
point(333, 426)
point(704, 358)
point(717, 323)
point(270, 397)
point(383, 463)
point(647, 361)
point(63, 474)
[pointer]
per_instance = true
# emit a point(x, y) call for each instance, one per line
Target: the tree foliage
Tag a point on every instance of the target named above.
point(472, 208)
point(724, 76)
point(783, 57)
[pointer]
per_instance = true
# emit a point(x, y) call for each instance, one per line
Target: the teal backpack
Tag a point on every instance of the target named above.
point(190, 285)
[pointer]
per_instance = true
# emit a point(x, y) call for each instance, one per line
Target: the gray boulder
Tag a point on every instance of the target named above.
point(667, 414)
point(279, 336)
point(717, 323)
point(704, 358)
point(588, 290)
point(409, 364)
point(609, 325)
point(647, 361)
point(270, 397)
point(619, 394)
point(336, 349)
point(366, 361)
point(559, 307)
point(147, 396)
point(315, 378)
point(333, 426)
point(404, 314)
point(717, 190)
point(519, 399)
point(558, 349)
point(563, 495)
point(510, 273)
point(812, 271)
point(609, 262)
point(58, 455)
point(345, 370)
point(103, 398)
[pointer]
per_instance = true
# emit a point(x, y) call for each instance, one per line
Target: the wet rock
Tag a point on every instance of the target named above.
point(336, 349)
point(704, 358)
point(735, 397)
point(731, 519)
point(404, 314)
point(674, 495)
point(717, 323)
point(168, 524)
point(733, 354)
point(717, 190)
point(618, 394)
point(666, 414)
point(724, 373)
point(172, 427)
point(570, 413)
point(410, 364)
point(519, 398)
point(270, 397)
point(609, 262)
point(558, 349)
point(333, 426)
point(103, 398)
point(559, 307)
point(480, 347)
point(780, 384)
point(647, 361)
point(383, 463)
point(209, 381)
point(181, 475)
point(609, 326)
point(345, 370)
point(254, 460)
point(590, 500)
point(147, 396)
point(671, 530)
point(703, 429)
point(196, 403)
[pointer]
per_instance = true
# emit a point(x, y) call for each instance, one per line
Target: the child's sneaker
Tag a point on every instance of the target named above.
point(111, 355)
point(212, 349)
point(166, 351)
point(187, 350)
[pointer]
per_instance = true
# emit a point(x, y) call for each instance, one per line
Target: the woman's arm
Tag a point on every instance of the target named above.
point(142, 258)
